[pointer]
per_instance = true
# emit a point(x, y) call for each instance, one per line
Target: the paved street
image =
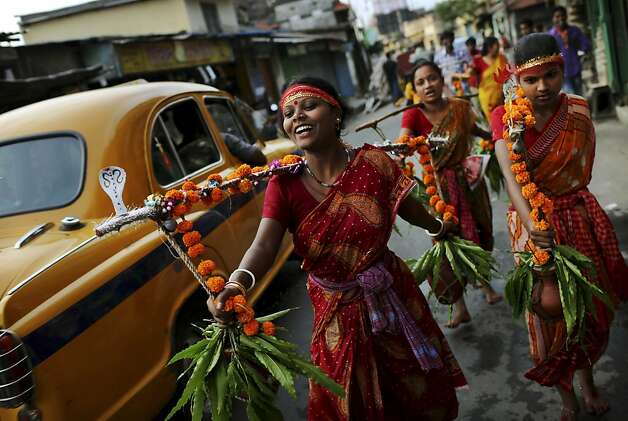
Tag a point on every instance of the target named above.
point(492, 350)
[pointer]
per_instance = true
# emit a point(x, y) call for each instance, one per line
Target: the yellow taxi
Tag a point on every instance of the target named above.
point(88, 323)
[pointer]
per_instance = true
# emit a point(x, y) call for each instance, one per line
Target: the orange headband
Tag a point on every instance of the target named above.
point(540, 61)
point(301, 91)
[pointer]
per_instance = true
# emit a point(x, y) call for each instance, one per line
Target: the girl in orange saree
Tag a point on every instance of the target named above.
point(560, 152)
point(373, 331)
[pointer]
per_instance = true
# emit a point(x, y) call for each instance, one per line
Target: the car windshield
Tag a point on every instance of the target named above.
point(42, 173)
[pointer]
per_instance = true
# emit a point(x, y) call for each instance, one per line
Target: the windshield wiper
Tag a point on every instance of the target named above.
point(38, 230)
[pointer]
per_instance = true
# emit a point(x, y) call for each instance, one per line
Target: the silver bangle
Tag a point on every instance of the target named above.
point(245, 271)
point(237, 285)
point(440, 230)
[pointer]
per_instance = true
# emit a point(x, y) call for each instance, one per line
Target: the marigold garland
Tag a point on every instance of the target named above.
point(268, 328)
point(196, 250)
point(184, 226)
point(419, 145)
point(215, 284)
point(206, 267)
point(251, 328)
point(191, 238)
point(519, 113)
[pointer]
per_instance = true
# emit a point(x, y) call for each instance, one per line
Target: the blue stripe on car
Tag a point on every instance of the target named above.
point(63, 328)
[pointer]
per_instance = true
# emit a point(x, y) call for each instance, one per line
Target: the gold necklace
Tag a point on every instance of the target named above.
point(322, 183)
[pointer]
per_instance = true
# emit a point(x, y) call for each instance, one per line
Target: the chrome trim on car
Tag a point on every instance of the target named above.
point(30, 235)
point(53, 262)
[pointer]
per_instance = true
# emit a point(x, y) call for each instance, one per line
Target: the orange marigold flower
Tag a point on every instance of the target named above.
point(542, 225)
point(448, 216)
point(268, 328)
point(519, 92)
point(246, 316)
point(514, 157)
point(538, 200)
point(206, 267)
point(548, 207)
point(424, 159)
point(431, 190)
point(428, 169)
point(259, 169)
point(196, 250)
point(232, 176)
point(243, 170)
point(176, 195)
point(505, 135)
point(251, 328)
point(451, 209)
point(228, 305)
point(534, 214)
point(434, 200)
point(440, 206)
point(523, 177)
point(290, 159)
point(245, 185)
point(529, 121)
point(405, 139)
point(239, 302)
point(191, 238)
point(424, 150)
point(215, 177)
point(181, 209)
point(189, 185)
point(455, 220)
point(541, 257)
point(216, 194)
point(192, 196)
point(529, 190)
point(215, 284)
point(509, 146)
point(505, 117)
point(518, 167)
point(184, 226)
point(428, 179)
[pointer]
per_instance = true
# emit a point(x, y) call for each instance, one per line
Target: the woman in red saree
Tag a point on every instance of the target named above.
point(373, 331)
point(560, 152)
point(465, 189)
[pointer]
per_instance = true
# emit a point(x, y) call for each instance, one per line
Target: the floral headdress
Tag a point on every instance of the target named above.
point(301, 91)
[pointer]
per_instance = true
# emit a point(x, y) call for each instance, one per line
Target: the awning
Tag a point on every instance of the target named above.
point(522, 4)
point(18, 92)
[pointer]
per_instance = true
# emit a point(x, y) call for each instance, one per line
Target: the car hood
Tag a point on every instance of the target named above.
point(39, 253)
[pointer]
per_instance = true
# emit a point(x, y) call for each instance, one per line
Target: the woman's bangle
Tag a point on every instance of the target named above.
point(237, 285)
point(245, 271)
point(440, 230)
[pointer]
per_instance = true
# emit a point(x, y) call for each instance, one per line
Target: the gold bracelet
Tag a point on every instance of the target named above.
point(238, 286)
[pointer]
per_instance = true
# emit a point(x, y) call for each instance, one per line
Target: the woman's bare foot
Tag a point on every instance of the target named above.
point(594, 404)
point(492, 297)
point(567, 414)
point(461, 314)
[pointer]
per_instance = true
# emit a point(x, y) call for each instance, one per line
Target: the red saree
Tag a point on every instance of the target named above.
point(345, 234)
point(561, 158)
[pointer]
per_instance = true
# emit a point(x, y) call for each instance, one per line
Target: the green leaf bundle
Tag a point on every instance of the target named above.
point(228, 364)
point(576, 291)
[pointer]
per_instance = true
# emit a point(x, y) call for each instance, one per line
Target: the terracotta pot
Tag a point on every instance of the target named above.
point(447, 289)
point(545, 300)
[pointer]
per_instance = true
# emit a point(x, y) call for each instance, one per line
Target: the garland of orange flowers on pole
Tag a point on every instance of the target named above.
point(419, 145)
point(519, 114)
point(176, 203)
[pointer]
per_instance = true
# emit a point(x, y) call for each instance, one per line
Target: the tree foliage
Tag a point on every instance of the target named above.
point(448, 10)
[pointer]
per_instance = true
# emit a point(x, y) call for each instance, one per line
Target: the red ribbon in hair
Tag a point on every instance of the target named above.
point(302, 91)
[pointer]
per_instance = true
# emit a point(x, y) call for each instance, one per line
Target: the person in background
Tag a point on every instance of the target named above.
point(448, 60)
point(485, 66)
point(390, 70)
point(571, 41)
point(244, 151)
point(454, 118)
point(472, 50)
point(526, 27)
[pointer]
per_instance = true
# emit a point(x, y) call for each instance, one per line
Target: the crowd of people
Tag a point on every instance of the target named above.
point(468, 70)
point(373, 331)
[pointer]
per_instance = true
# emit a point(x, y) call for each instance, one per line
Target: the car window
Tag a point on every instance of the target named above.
point(181, 143)
point(227, 119)
point(41, 173)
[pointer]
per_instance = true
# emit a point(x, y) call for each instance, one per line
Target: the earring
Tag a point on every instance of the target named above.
point(338, 124)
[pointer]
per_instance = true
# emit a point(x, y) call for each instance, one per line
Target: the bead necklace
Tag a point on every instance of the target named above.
point(322, 183)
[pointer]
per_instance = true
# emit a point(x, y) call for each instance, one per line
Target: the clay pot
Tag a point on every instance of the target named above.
point(545, 300)
point(447, 289)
